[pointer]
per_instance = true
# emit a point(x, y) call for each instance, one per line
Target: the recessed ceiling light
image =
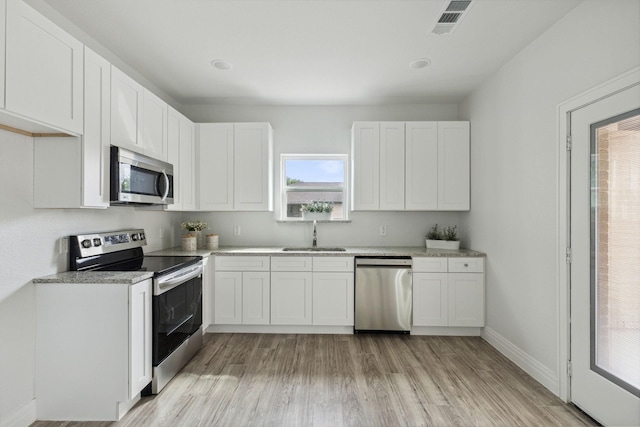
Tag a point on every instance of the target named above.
point(221, 64)
point(420, 63)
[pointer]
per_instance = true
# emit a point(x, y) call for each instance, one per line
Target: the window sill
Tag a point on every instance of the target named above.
point(289, 221)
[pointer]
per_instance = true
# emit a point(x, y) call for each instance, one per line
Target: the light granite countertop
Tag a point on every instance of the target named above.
point(114, 277)
point(413, 251)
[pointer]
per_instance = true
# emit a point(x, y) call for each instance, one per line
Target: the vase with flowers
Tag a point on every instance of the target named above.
point(317, 210)
point(195, 228)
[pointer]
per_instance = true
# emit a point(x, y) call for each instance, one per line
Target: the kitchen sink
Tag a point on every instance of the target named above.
point(311, 249)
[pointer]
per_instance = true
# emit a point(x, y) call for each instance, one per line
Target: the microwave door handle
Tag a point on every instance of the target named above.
point(166, 187)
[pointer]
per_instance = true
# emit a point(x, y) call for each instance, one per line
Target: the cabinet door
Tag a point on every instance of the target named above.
point(96, 137)
point(228, 298)
point(188, 164)
point(466, 299)
point(421, 166)
point(43, 69)
point(453, 166)
point(126, 111)
point(365, 171)
point(215, 156)
point(253, 167)
point(173, 157)
point(333, 299)
point(392, 158)
point(430, 299)
point(291, 298)
point(139, 337)
point(256, 300)
point(154, 126)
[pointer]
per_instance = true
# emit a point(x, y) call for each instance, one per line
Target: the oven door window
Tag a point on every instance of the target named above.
point(177, 314)
point(137, 180)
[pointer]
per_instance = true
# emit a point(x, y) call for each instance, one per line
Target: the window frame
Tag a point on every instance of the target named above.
point(284, 188)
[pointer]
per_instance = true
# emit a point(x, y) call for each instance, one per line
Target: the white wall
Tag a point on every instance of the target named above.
point(310, 129)
point(514, 156)
point(28, 249)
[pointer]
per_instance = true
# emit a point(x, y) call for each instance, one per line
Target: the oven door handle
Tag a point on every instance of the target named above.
point(165, 284)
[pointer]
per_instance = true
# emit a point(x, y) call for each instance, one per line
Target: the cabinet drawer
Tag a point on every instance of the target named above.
point(333, 263)
point(291, 263)
point(242, 263)
point(466, 265)
point(430, 265)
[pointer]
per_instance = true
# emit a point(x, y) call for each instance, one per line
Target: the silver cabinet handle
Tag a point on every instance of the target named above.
point(466, 265)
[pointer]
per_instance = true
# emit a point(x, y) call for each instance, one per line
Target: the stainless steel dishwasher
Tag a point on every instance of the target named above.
point(384, 294)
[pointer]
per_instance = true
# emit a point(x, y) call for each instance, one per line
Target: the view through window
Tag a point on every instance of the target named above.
point(314, 178)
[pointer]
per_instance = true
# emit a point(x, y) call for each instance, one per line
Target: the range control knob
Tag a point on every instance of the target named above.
point(141, 236)
point(86, 243)
point(97, 242)
point(135, 237)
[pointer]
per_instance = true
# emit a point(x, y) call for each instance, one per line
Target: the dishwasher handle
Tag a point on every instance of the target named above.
point(384, 262)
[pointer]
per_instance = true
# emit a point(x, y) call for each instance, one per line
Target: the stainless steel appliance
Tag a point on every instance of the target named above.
point(176, 300)
point(383, 294)
point(137, 179)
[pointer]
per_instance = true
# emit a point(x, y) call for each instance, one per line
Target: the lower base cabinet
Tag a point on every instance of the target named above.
point(94, 349)
point(291, 298)
point(448, 293)
point(333, 299)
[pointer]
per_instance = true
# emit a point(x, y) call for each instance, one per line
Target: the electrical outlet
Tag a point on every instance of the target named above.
point(236, 230)
point(64, 245)
point(161, 232)
point(383, 230)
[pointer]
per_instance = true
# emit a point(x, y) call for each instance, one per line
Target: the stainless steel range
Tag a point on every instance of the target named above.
point(177, 294)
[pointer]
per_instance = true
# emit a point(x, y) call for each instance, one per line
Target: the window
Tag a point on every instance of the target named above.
point(307, 178)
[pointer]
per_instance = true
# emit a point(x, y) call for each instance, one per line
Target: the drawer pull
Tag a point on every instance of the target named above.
point(466, 265)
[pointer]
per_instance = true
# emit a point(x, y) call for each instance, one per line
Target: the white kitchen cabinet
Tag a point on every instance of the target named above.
point(291, 298)
point(291, 263)
point(365, 171)
point(73, 357)
point(466, 299)
point(392, 166)
point(83, 182)
point(181, 154)
point(242, 290)
point(256, 298)
point(126, 111)
point(43, 75)
point(413, 166)
point(421, 166)
point(333, 302)
point(228, 297)
point(139, 337)
point(154, 126)
point(453, 166)
point(208, 279)
point(235, 166)
point(448, 291)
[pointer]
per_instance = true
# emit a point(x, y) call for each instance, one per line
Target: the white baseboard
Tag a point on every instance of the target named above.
point(531, 366)
point(446, 331)
point(279, 329)
point(22, 417)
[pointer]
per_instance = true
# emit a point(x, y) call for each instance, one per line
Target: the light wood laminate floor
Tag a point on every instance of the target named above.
point(348, 380)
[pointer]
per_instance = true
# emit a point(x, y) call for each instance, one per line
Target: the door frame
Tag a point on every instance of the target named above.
point(617, 84)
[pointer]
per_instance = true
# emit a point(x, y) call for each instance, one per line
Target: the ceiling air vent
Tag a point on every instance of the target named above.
point(450, 17)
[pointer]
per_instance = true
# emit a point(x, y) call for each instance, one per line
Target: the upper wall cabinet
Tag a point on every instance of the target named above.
point(419, 166)
point(43, 70)
point(181, 154)
point(235, 166)
point(83, 179)
point(3, 45)
point(138, 117)
point(126, 111)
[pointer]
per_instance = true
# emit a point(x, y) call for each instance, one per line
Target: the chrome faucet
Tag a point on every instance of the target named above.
point(315, 235)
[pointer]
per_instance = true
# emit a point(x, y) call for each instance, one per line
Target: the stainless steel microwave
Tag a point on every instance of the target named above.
point(137, 179)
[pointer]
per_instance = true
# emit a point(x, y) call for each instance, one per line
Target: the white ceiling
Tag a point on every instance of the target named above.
point(311, 52)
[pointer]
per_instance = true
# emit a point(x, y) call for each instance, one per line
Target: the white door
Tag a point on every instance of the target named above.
point(605, 269)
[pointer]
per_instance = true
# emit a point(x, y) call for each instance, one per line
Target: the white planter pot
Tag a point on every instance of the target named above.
point(319, 216)
point(443, 244)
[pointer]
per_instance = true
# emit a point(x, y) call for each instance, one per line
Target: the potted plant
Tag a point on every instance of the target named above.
point(194, 228)
point(317, 210)
point(443, 238)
